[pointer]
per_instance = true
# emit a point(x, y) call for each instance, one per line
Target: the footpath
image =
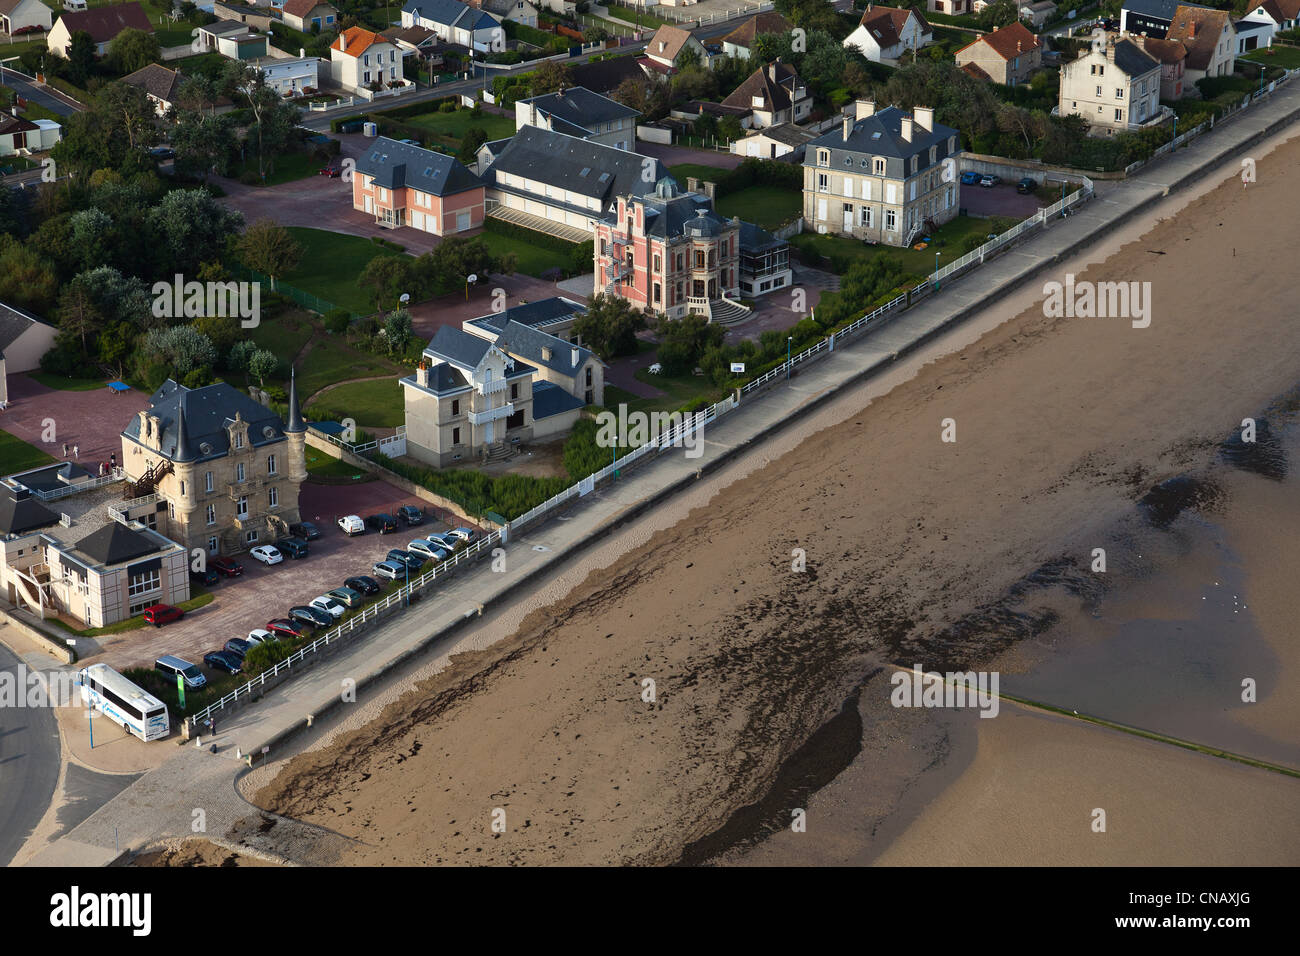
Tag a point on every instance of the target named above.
point(162, 803)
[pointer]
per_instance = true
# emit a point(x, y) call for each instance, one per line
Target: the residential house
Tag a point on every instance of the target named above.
point(292, 76)
point(419, 41)
point(1115, 86)
point(17, 16)
point(562, 185)
point(774, 94)
point(1253, 34)
point(1007, 55)
point(163, 87)
point(880, 176)
point(554, 316)
point(455, 22)
point(468, 399)
point(670, 251)
point(81, 559)
point(579, 112)
point(1036, 14)
point(1172, 57)
point(225, 471)
point(102, 23)
point(564, 364)
point(774, 142)
point(1282, 14)
point(516, 11)
point(309, 16)
point(16, 133)
point(404, 185)
point(885, 34)
point(1151, 17)
point(361, 60)
point(606, 76)
point(1210, 40)
point(232, 39)
point(667, 48)
point(259, 17)
point(23, 338)
point(952, 8)
point(740, 41)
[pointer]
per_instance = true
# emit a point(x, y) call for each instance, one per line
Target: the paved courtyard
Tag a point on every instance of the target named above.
point(1000, 200)
point(454, 309)
point(92, 421)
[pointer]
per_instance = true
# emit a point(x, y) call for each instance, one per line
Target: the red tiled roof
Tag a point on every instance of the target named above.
point(354, 41)
point(1008, 42)
point(1199, 30)
point(886, 23)
point(300, 8)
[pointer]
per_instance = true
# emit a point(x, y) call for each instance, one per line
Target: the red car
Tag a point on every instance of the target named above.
point(285, 627)
point(226, 567)
point(161, 614)
point(333, 170)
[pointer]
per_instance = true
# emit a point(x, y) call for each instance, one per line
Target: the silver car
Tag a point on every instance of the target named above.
point(430, 548)
point(388, 569)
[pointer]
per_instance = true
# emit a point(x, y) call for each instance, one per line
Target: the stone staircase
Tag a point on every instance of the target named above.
point(726, 312)
point(497, 451)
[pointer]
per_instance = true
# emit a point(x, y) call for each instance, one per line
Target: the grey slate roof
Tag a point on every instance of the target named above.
point(1160, 9)
point(395, 165)
point(528, 342)
point(580, 107)
point(20, 512)
point(880, 135)
point(449, 13)
point(457, 347)
point(1132, 59)
point(115, 543)
point(14, 322)
point(668, 212)
point(549, 399)
point(577, 165)
point(531, 314)
point(206, 412)
point(604, 76)
point(756, 239)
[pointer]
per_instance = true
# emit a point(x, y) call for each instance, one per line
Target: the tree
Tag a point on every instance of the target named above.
point(551, 76)
point(998, 13)
point(241, 353)
point(683, 341)
point(133, 50)
point(119, 298)
point(202, 142)
point(81, 57)
point(182, 347)
point(261, 364)
point(26, 279)
point(267, 247)
point(78, 316)
point(389, 277)
point(193, 227)
point(273, 119)
point(397, 331)
point(94, 237)
point(474, 137)
point(609, 326)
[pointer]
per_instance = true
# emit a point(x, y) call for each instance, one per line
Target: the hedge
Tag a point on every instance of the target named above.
point(507, 495)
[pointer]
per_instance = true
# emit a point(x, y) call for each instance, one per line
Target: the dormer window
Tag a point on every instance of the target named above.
point(823, 157)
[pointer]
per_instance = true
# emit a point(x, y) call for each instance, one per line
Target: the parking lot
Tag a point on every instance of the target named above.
point(264, 592)
point(999, 200)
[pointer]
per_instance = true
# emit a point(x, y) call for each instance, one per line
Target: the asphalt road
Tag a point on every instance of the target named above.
point(29, 766)
point(35, 94)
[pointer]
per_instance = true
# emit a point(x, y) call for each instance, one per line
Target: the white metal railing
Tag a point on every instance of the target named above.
point(99, 481)
point(687, 427)
point(491, 414)
point(491, 386)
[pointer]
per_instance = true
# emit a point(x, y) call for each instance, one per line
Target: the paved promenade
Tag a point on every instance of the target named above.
point(161, 803)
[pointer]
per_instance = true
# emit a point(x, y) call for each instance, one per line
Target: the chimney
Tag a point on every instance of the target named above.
point(905, 129)
point(864, 108)
point(924, 117)
point(1191, 30)
point(771, 71)
point(546, 353)
point(422, 374)
point(848, 128)
point(574, 353)
point(692, 184)
point(708, 190)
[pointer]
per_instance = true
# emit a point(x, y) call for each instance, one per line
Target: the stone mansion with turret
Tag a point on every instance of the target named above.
point(212, 469)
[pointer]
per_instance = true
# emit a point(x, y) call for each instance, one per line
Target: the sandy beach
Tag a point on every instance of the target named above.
point(543, 745)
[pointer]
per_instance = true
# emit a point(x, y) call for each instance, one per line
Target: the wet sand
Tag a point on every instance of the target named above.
point(912, 545)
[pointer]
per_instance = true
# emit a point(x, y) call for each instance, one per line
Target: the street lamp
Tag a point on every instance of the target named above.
point(404, 298)
point(789, 341)
point(469, 281)
point(936, 270)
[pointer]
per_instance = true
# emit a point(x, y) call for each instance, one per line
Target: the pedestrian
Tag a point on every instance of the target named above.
point(76, 452)
point(65, 449)
point(112, 460)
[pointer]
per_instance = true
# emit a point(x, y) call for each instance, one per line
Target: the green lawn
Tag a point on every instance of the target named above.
point(448, 129)
point(17, 455)
point(638, 18)
point(1287, 57)
point(35, 111)
point(533, 260)
point(19, 47)
point(207, 64)
point(321, 465)
point(679, 390)
point(287, 168)
point(286, 334)
point(330, 265)
point(919, 263)
point(66, 384)
point(376, 404)
point(766, 206)
point(132, 623)
point(681, 171)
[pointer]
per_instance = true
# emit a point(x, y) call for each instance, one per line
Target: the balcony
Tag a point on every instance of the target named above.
point(491, 386)
point(491, 414)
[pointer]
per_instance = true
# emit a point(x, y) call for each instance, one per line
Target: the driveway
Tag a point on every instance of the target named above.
point(92, 420)
point(37, 93)
point(676, 155)
point(1000, 200)
point(262, 593)
point(454, 309)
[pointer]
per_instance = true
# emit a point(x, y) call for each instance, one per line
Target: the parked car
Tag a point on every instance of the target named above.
point(389, 569)
point(352, 524)
point(463, 534)
point(283, 627)
point(160, 614)
point(410, 515)
point(988, 180)
point(446, 540)
point(412, 561)
point(237, 645)
point(267, 554)
point(333, 169)
point(970, 178)
point(171, 666)
point(293, 547)
point(226, 567)
point(312, 617)
point(305, 530)
point(259, 635)
point(1026, 185)
point(224, 661)
point(383, 523)
point(208, 576)
point(348, 597)
point(363, 583)
point(428, 548)
point(162, 154)
point(327, 604)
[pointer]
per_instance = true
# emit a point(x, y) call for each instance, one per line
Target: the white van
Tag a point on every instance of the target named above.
point(352, 524)
point(171, 666)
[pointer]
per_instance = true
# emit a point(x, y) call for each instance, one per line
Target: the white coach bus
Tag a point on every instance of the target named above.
point(122, 702)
